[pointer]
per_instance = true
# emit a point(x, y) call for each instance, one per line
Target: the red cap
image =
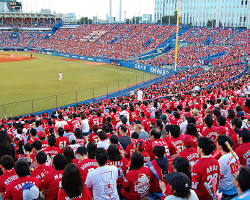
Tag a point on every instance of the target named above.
point(188, 141)
point(66, 127)
point(187, 114)
point(234, 99)
point(247, 116)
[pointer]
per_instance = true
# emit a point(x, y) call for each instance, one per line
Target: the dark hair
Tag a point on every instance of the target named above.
point(176, 115)
point(237, 122)
point(182, 165)
point(191, 130)
point(222, 139)
point(91, 149)
point(221, 120)
point(41, 157)
point(52, 140)
point(156, 133)
point(231, 114)
point(101, 156)
point(22, 168)
point(5, 143)
point(209, 121)
point(137, 161)
point(28, 147)
point(33, 132)
point(60, 131)
point(69, 154)
point(37, 145)
point(206, 144)
point(81, 151)
point(159, 151)
point(175, 131)
point(124, 120)
point(7, 162)
point(135, 135)
point(191, 120)
point(243, 178)
point(59, 162)
point(102, 135)
point(114, 153)
point(217, 112)
point(71, 181)
point(123, 128)
point(114, 139)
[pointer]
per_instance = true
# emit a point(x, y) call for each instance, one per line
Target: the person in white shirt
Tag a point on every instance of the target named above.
point(102, 180)
point(139, 95)
point(60, 122)
point(228, 167)
point(60, 76)
point(104, 141)
point(85, 125)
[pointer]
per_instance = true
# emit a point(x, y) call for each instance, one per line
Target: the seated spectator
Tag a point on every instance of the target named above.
point(72, 186)
point(103, 179)
point(241, 180)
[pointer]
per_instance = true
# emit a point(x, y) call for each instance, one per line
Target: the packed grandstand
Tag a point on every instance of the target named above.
point(184, 137)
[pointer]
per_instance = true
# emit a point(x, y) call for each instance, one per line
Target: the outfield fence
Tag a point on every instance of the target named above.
point(73, 97)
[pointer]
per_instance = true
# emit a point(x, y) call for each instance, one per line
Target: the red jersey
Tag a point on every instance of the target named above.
point(86, 166)
point(93, 137)
point(76, 123)
point(204, 171)
point(178, 142)
point(146, 124)
point(191, 155)
point(122, 168)
point(7, 178)
point(52, 151)
point(44, 144)
point(14, 189)
point(131, 147)
point(243, 152)
point(210, 133)
point(62, 142)
point(137, 184)
point(115, 118)
point(85, 195)
point(52, 183)
point(169, 149)
point(41, 171)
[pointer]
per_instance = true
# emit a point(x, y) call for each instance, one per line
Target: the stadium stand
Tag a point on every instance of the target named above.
point(168, 138)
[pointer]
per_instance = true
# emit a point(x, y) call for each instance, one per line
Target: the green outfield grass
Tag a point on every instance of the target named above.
point(37, 79)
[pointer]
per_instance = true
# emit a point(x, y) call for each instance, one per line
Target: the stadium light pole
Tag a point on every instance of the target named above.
point(120, 14)
point(110, 11)
point(177, 32)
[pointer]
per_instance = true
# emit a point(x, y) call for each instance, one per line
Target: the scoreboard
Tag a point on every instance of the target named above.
point(15, 6)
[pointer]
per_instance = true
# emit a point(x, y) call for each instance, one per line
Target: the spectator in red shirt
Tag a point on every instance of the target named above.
point(209, 131)
point(205, 169)
point(41, 170)
point(87, 160)
point(72, 185)
point(243, 151)
point(52, 150)
point(137, 183)
point(61, 141)
point(9, 174)
point(115, 159)
point(52, 181)
point(14, 189)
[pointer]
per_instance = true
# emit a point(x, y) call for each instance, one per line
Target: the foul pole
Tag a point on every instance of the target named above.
point(177, 32)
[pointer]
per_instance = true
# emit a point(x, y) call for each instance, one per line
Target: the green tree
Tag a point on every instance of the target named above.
point(85, 20)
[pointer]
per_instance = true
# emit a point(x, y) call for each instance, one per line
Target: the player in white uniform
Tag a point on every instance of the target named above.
point(139, 95)
point(60, 76)
point(228, 167)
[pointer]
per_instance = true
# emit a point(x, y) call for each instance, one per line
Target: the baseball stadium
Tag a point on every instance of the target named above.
point(141, 107)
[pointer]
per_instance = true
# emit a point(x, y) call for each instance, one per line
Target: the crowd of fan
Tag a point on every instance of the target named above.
point(27, 22)
point(138, 146)
point(192, 50)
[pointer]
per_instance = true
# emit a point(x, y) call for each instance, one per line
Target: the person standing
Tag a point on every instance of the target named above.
point(139, 95)
point(103, 179)
point(60, 76)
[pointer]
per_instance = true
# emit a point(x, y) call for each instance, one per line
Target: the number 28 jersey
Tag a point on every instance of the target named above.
point(203, 172)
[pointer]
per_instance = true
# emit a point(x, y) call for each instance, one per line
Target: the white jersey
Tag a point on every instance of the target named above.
point(139, 95)
point(228, 167)
point(103, 181)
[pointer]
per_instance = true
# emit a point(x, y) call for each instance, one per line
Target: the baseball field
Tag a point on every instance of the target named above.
point(32, 85)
